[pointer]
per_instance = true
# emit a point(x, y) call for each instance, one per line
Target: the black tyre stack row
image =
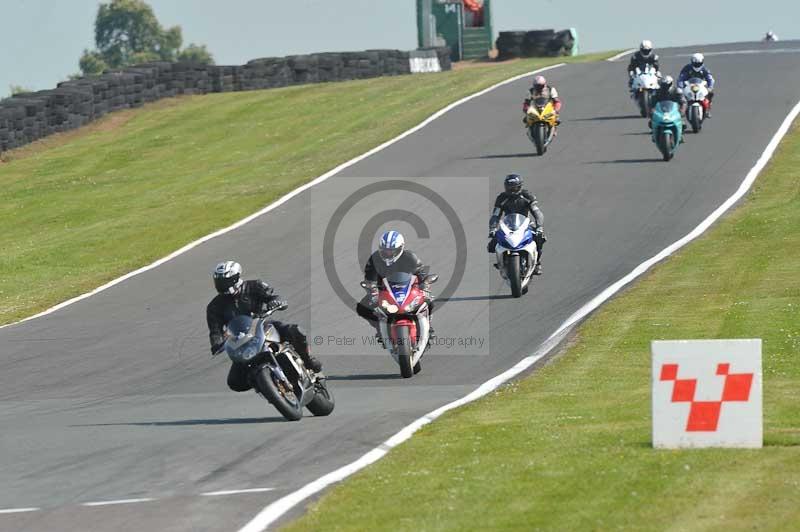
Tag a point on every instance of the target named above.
point(536, 43)
point(31, 116)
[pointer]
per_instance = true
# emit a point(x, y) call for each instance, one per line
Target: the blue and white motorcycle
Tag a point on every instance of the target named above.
point(516, 252)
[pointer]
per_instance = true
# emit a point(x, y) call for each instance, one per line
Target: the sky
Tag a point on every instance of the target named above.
point(41, 40)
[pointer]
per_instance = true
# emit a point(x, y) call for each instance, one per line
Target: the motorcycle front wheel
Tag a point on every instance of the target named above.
point(277, 393)
point(539, 138)
point(643, 104)
point(667, 144)
point(322, 404)
point(404, 351)
point(514, 279)
point(694, 119)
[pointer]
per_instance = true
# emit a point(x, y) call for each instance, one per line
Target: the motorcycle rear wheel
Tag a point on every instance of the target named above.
point(404, 352)
point(289, 409)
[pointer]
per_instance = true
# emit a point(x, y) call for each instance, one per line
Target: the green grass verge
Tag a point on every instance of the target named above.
point(81, 209)
point(569, 448)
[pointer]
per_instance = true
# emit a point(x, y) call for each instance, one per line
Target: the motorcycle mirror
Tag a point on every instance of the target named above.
point(363, 284)
point(432, 278)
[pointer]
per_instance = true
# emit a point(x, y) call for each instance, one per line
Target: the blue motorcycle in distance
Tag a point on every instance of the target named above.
point(667, 128)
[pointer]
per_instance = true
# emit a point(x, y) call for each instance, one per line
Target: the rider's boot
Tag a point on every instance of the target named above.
point(537, 270)
point(311, 363)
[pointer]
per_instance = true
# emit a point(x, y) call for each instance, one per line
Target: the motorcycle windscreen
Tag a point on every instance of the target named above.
point(514, 222)
point(695, 81)
point(245, 338)
point(400, 284)
point(540, 103)
point(667, 108)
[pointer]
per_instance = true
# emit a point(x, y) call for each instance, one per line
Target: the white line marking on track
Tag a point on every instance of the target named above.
point(280, 201)
point(622, 54)
point(118, 501)
point(235, 492)
point(18, 510)
point(275, 510)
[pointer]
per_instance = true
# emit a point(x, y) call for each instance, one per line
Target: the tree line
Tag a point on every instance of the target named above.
point(127, 32)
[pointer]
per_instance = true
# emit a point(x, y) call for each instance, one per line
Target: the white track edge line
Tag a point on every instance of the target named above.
point(277, 203)
point(275, 510)
point(18, 510)
point(235, 492)
point(621, 54)
point(118, 501)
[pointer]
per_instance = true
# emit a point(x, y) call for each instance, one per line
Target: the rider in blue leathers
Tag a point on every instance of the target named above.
point(697, 69)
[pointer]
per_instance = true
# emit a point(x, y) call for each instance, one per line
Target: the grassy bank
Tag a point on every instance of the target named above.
point(569, 447)
point(80, 209)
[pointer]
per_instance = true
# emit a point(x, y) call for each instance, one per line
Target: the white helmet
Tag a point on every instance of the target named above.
point(646, 47)
point(227, 277)
point(391, 246)
point(697, 62)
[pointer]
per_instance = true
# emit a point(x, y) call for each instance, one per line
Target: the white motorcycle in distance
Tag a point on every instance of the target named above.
point(516, 252)
point(696, 92)
point(644, 87)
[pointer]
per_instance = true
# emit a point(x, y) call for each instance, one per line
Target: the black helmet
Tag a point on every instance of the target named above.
point(513, 183)
point(666, 82)
point(227, 277)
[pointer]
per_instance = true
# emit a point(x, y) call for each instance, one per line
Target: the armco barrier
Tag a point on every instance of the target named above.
point(31, 116)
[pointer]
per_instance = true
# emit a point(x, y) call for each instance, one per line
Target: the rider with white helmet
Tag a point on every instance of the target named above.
point(641, 59)
point(391, 257)
point(697, 69)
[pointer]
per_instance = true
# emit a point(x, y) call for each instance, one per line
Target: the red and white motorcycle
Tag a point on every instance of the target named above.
point(404, 319)
point(696, 92)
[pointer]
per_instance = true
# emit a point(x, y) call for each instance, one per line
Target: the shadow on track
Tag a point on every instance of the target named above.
point(597, 118)
point(637, 134)
point(503, 156)
point(364, 377)
point(189, 422)
point(475, 298)
point(627, 161)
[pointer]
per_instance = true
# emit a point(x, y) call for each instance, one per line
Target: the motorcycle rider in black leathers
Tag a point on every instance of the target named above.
point(667, 91)
point(236, 297)
point(641, 59)
point(391, 257)
point(517, 200)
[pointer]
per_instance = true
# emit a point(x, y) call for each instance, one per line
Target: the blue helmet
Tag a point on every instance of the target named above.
point(391, 246)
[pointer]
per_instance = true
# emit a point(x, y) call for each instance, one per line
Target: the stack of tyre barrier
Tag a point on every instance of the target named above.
point(537, 43)
point(31, 116)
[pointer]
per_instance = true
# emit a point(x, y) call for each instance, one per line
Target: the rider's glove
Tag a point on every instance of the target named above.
point(492, 233)
point(216, 348)
point(276, 303)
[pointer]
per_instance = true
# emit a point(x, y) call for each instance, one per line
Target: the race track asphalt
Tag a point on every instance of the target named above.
point(115, 397)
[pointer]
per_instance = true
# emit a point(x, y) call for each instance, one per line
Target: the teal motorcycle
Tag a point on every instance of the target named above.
point(667, 128)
